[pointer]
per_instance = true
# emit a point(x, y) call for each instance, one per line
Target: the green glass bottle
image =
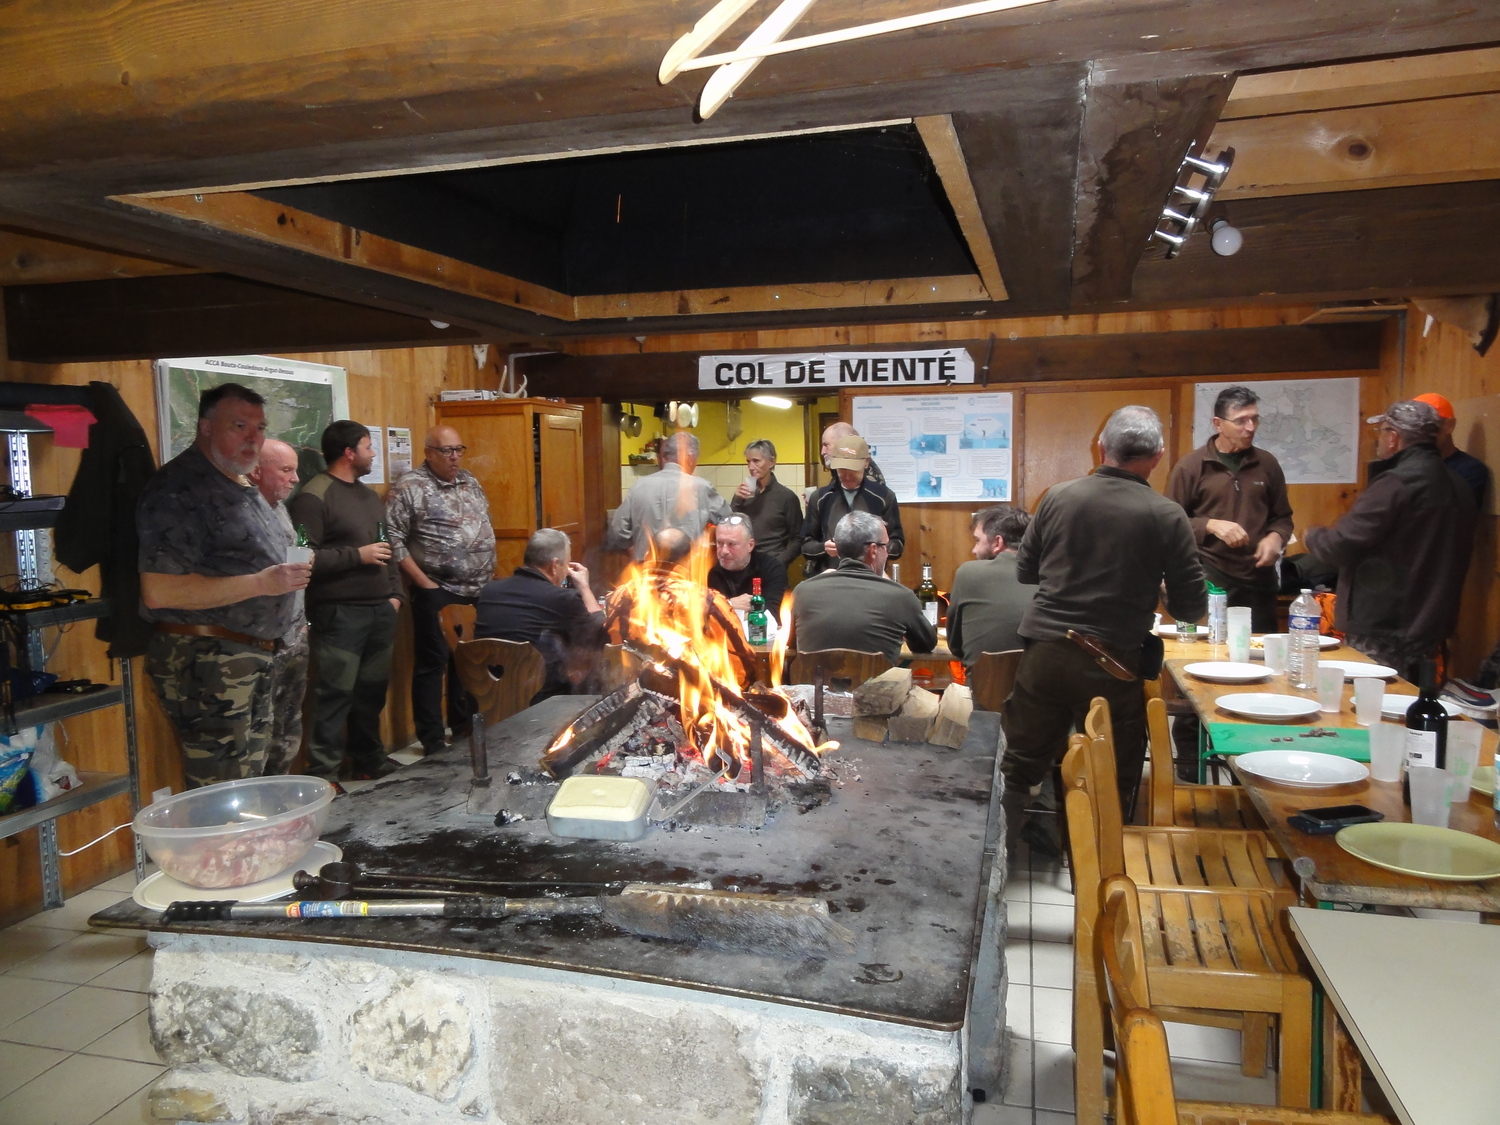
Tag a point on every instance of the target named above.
point(302, 536)
point(755, 620)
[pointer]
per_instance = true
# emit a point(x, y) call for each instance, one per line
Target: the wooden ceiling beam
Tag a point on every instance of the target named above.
point(948, 159)
point(1410, 78)
point(27, 258)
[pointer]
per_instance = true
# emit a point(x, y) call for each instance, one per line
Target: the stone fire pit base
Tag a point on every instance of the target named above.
point(297, 1033)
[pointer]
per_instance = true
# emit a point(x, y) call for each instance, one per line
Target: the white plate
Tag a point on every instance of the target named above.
point(1227, 672)
point(1358, 669)
point(1301, 768)
point(159, 891)
point(1268, 708)
point(1258, 644)
point(1169, 630)
point(1394, 707)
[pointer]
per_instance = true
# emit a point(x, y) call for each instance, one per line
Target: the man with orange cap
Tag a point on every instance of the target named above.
point(1476, 473)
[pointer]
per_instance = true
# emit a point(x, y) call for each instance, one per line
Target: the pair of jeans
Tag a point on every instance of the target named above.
point(431, 661)
point(351, 650)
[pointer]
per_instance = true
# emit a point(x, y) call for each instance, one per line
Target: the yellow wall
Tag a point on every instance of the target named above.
point(783, 428)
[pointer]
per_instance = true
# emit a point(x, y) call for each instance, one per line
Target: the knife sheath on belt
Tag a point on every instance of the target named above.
point(1095, 648)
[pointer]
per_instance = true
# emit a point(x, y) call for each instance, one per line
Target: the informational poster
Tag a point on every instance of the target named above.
point(936, 448)
point(938, 367)
point(1311, 426)
point(398, 450)
point(376, 475)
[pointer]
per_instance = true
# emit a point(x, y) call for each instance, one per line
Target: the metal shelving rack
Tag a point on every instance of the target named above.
point(30, 552)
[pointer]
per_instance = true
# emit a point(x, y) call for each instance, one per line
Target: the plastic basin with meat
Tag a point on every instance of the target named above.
point(236, 832)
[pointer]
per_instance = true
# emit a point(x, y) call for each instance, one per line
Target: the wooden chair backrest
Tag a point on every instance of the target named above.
point(1163, 773)
point(617, 667)
point(458, 624)
point(523, 672)
point(994, 677)
point(1097, 724)
point(1105, 794)
point(844, 669)
point(1120, 961)
point(1144, 1078)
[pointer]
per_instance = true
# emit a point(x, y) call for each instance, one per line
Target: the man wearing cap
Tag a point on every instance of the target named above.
point(1476, 473)
point(838, 431)
point(851, 490)
point(1403, 549)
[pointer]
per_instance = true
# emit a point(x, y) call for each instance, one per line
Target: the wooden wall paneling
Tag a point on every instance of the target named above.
point(1062, 433)
point(500, 456)
point(601, 475)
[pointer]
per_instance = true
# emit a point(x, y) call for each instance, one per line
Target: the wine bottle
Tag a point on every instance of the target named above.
point(1426, 727)
point(755, 620)
point(927, 595)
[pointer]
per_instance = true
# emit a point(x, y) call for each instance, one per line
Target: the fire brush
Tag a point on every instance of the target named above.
point(784, 925)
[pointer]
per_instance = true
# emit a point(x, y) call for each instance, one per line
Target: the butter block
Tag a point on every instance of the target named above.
point(600, 808)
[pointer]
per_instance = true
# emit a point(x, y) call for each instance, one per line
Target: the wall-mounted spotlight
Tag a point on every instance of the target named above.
point(1186, 204)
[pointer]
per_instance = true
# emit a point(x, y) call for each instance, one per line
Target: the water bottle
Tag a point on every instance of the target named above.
point(1302, 641)
point(1218, 615)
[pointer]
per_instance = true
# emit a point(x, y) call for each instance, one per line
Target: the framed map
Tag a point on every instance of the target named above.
point(301, 400)
point(1311, 426)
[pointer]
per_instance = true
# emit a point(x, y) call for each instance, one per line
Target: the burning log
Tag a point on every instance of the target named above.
point(585, 734)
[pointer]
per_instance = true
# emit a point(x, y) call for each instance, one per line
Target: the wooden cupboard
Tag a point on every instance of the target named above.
point(528, 456)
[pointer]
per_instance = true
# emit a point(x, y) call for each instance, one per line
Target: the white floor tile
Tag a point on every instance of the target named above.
point(1052, 890)
point(134, 1110)
point(1053, 1085)
point(21, 943)
point(131, 1040)
point(120, 884)
point(1018, 1072)
point(1209, 1044)
point(133, 975)
point(1017, 888)
point(998, 1113)
point(20, 996)
point(74, 913)
point(1018, 961)
point(1196, 1080)
point(1018, 1010)
point(1052, 1015)
point(20, 1063)
point(1048, 1117)
point(1051, 923)
point(1052, 964)
point(83, 958)
point(76, 1091)
point(75, 1020)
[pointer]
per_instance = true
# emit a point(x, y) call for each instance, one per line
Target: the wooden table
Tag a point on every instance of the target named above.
point(1421, 1002)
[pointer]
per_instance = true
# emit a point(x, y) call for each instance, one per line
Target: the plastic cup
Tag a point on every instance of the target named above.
point(1331, 690)
point(1463, 756)
point(1239, 633)
point(1431, 795)
point(1368, 694)
point(1275, 647)
point(302, 555)
point(1387, 751)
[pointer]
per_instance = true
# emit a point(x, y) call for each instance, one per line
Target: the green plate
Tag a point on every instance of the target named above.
point(1484, 781)
point(1423, 850)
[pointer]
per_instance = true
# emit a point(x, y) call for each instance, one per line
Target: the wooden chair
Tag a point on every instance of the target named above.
point(458, 624)
point(1174, 804)
point(993, 677)
point(1218, 956)
point(844, 669)
point(1144, 1093)
point(522, 668)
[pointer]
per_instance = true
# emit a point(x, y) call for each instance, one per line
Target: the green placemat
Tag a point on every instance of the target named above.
point(1241, 738)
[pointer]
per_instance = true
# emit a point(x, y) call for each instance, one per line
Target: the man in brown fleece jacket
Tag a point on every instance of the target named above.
point(351, 605)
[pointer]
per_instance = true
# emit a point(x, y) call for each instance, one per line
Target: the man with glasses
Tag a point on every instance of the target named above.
point(854, 605)
point(740, 564)
point(441, 537)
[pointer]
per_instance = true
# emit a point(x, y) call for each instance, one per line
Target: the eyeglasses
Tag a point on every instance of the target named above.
point(1253, 420)
point(448, 450)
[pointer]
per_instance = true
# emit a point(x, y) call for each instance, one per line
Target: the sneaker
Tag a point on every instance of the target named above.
point(386, 767)
point(1466, 694)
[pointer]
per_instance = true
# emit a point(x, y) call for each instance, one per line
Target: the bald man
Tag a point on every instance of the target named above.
point(438, 520)
point(843, 430)
point(275, 477)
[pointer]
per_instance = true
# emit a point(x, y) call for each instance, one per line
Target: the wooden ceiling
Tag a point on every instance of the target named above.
point(271, 146)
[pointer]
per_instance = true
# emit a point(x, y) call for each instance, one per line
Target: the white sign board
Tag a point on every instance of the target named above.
point(1311, 426)
point(376, 475)
point(936, 448)
point(818, 371)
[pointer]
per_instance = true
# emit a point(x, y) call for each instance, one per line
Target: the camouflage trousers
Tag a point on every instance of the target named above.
point(217, 696)
point(288, 692)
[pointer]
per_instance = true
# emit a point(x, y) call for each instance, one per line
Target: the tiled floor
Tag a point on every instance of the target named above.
point(1039, 956)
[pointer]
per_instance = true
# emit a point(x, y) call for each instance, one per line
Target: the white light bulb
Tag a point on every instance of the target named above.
point(1227, 240)
point(438, 323)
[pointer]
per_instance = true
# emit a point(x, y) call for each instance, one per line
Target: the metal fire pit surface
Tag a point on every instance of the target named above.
point(902, 853)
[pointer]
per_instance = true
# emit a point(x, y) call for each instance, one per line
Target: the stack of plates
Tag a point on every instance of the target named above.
point(1359, 669)
point(1394, 707)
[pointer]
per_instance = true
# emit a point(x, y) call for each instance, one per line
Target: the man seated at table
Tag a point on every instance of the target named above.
point(855, 606)
point(987, 602)
point(740, 564)
point(546, 601)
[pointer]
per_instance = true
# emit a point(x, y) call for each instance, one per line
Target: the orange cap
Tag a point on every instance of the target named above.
point(1443, 407)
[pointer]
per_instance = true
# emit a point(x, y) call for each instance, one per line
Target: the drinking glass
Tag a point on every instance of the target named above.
point(1330, 689)
point(1387, 751)
point(1431, 795)
point(1239, 633)
point(1463, 756)
point(1368, 695)
point(1275, 647)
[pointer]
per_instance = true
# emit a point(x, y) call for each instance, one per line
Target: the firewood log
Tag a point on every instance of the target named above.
point(951, 726)
point(884, 694)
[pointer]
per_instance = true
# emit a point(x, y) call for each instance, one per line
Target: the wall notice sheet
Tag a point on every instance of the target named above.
point(376, 475)
point(936, 448)
point(398, 448)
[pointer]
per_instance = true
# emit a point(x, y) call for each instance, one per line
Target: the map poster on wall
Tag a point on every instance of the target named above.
point(301, 399)
point(1311, 426)
point(936, 448)
point(398, 450)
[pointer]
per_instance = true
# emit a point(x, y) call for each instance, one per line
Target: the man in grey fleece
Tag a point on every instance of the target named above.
point(351, 606)
point(1098, 549)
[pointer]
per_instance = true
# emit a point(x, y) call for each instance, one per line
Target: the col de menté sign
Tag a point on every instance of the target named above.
point(815, 371)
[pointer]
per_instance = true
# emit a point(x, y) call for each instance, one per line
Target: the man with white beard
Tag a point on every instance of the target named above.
point(215, 580)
